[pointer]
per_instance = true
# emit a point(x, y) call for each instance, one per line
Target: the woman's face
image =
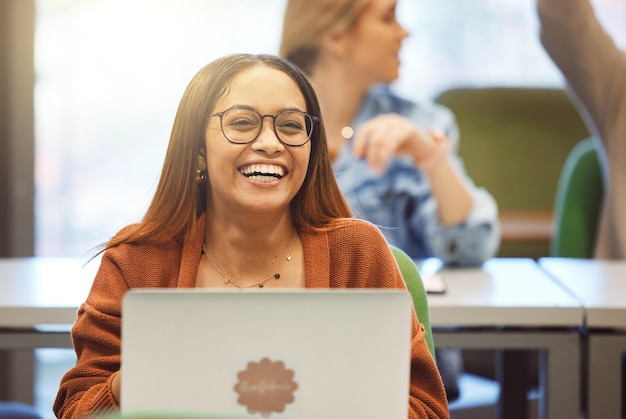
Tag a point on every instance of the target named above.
point(262, 176)
point(373, 45)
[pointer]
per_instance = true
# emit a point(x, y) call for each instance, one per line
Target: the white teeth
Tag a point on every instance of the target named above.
point(263, 170)
point(263, 178)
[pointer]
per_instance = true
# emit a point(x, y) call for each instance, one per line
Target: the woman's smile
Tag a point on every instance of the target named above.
point(263, 172)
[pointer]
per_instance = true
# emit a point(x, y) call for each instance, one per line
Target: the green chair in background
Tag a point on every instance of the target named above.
point(478, 395)
point(416, 288)
point(577, 203)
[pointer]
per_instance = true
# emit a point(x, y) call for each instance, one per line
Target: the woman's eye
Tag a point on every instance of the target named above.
point(390, 17)
point(242, 123)
point(291, 127)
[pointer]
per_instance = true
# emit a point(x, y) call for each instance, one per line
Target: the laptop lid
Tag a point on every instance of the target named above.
point(309, 354)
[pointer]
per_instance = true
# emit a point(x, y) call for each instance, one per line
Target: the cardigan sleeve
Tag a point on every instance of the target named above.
point(86, 388)
point(96, 334)
point(361, 258)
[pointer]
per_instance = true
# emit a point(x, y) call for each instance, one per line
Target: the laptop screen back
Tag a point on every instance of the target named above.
point(283, 354)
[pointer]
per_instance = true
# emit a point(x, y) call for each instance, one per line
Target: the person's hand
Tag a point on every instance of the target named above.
point(390, 135)
point(115, 386)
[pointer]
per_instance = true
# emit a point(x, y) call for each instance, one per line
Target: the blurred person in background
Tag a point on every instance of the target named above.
point(394, 159)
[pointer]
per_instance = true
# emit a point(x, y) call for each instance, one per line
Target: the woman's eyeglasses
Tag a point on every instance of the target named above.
point(243, 125)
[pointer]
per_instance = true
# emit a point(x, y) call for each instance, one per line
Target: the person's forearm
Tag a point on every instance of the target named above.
point(584, 52)
point(561, 24)
point(454, 200)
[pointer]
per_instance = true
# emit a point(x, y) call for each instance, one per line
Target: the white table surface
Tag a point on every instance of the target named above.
point(600, 286)
point(43, 290)
point(503, 292)
point(512, 304)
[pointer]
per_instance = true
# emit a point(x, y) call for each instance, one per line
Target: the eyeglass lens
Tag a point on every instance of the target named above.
point(242, 125)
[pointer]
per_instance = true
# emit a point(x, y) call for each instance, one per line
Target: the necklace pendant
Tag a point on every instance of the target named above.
point(277, 275)
point(260, 285)
point(288, 258)
point(226, 280)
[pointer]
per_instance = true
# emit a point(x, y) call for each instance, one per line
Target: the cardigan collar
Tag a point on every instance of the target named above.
point(315, 251)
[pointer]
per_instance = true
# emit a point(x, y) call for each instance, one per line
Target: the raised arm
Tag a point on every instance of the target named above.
point(587, 56)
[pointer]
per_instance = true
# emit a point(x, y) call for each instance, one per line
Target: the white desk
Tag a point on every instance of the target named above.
point(38, 302)
point(39, 298)
point(600, 286)
point(36, 291)
point(508, 304)
point(511, 304)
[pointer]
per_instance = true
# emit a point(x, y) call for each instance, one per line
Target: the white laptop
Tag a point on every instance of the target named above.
point(307, 354)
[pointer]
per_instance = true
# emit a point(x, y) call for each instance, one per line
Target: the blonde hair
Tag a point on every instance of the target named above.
point(306, 22)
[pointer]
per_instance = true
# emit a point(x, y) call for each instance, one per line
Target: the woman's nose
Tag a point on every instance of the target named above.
point(403, 31)
point(267, 139)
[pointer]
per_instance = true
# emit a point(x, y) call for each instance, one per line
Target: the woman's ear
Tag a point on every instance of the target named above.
point(336, 44)
point(202, 160)
point(202, 173)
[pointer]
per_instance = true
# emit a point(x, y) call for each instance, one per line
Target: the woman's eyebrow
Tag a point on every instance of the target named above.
point(287, 108)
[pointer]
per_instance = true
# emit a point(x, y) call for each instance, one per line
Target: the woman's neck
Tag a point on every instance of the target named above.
point(248, 251)
point(340, 98)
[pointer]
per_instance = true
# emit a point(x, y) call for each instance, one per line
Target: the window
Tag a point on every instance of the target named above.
point(110, 73)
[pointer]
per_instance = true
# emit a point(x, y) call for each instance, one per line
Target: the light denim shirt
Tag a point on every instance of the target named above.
point(400, 202)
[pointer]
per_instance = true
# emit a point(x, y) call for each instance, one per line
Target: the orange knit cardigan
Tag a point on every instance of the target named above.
point(353, 256)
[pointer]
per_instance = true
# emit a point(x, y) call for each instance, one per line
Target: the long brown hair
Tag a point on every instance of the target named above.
point(179, 200)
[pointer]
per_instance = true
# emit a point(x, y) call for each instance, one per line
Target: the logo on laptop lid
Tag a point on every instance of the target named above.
point(265, 387)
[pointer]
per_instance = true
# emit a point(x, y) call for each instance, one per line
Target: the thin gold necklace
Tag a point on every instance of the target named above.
point(260, 284)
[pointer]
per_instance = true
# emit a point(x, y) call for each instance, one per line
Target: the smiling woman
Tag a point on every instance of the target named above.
point(109, 73)
point(219, 197)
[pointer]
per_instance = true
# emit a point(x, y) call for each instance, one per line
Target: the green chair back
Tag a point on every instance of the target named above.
point(577, 203)
point(416, 288)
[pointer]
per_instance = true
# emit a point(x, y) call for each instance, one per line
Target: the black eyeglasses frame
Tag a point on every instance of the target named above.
point(314, 119)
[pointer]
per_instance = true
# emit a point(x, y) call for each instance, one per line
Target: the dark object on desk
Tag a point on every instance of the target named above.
point(435, 284)
point(16, 410)
point(432, 279)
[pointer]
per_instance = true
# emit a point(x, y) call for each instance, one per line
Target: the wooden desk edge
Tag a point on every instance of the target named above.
point(531, 225)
